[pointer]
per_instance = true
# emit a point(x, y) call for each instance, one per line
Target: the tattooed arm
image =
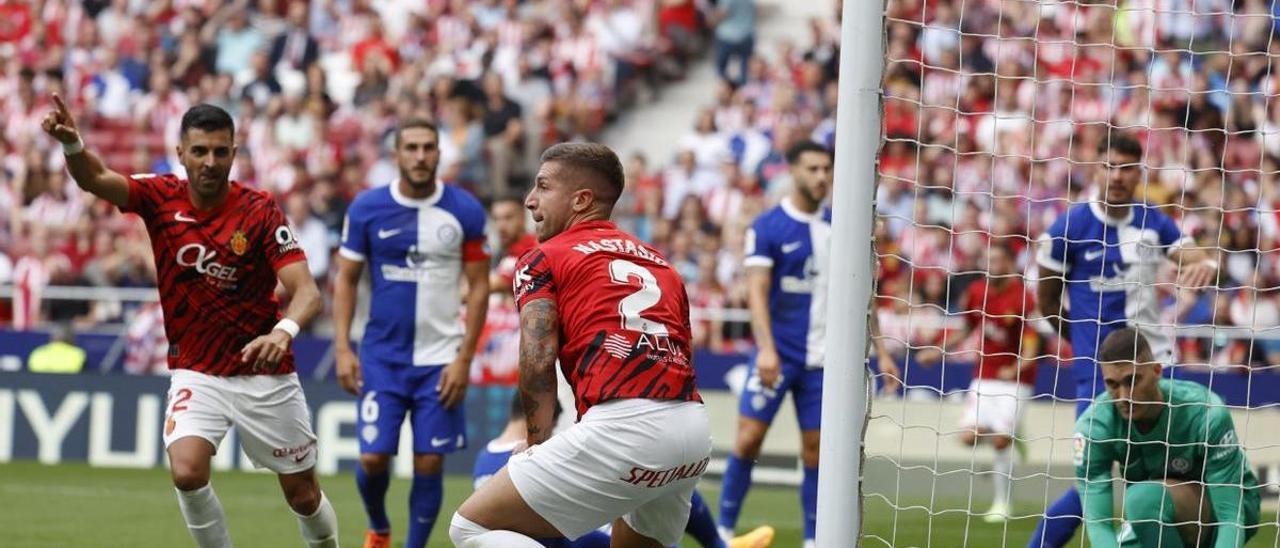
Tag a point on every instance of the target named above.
point(539, 346)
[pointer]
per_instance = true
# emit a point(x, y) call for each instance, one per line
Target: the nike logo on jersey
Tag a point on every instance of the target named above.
point(1094, 254)
point(177, 216)
point(440, 442)
point(788, 248)
point(384, 234)
point(301, 457)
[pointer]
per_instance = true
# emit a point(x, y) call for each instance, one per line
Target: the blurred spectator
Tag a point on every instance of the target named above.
point(735, 31)
point(147, 348)
point(60, 355)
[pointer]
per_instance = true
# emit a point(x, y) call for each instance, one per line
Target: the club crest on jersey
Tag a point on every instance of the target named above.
point(239, 242)
point(448, 235)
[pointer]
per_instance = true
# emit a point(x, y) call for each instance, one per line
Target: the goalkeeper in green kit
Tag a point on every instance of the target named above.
point(1187, 480)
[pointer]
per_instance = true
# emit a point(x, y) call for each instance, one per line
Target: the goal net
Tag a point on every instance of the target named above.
point(1006, 175)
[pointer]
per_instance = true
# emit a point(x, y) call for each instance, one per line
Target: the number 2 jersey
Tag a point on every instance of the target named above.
point(216, 270)
point(624, 314)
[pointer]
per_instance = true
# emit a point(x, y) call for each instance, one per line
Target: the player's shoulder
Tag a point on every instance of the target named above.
point(164, 183)
point(1146, 215)
point(456, 198)
point(1098, 421)
point(1191, 394)
point(371, 198)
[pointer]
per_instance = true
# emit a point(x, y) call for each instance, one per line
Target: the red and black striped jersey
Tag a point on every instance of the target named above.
point(216, 270)
point(624, 314)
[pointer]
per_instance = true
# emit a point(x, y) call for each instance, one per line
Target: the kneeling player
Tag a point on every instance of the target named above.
point(1189, 482)
point(615, 314)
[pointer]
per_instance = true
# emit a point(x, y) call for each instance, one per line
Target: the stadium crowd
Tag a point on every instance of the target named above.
point(316, 87)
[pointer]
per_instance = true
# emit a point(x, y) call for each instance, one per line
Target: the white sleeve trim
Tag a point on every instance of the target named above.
point(350, 255)
point(757, 260)
point(1181, 243)
point(1043, 256)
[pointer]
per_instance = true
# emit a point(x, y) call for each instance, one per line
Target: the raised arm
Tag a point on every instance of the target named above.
point(539, 347)
point(86, 169)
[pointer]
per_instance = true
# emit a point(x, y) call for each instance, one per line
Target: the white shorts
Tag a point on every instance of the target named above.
point(995, 406)
point(635, 459)
point(269, 412)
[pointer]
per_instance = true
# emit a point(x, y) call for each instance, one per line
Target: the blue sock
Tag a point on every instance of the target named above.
point(373, 490)
point(737, 480)
point(424, 505)
point(1060, 521)
point(809, 502)
point(701, 526)
point(594, 539)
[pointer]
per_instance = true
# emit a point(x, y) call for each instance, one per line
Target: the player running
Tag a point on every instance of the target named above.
point(419, 237)
point(1188, 480)
point(787, 258)
point(996, 307)
point(616, 315)
point(701, 526)
point(1105, 253)
point(219, 249)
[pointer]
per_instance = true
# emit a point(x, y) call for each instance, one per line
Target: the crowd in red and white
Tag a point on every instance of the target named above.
point(316, 88)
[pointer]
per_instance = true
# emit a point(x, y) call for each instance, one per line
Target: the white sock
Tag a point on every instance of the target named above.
point(205, 518)
point(810, 543)
point(468, 534)
point(726, 534)
point(320, 529)
point(1003, 472)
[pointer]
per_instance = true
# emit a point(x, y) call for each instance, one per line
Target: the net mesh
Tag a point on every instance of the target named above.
point(1005, 123)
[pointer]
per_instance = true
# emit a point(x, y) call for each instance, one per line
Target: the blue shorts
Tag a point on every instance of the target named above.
point(388, 393)
point(805, 386)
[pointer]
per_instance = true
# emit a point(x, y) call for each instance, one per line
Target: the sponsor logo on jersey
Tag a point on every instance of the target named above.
point(288, 242)
point(803, 285)
point(619, 245)
point(658, 478)
point(239, 243)
point(201, 258)
point(417, 264)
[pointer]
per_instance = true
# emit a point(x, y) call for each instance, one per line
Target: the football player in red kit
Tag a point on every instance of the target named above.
point(615, 314)
point(219, 249)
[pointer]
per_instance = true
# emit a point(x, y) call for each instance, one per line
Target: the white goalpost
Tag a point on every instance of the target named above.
point(967, 125)
point(850, 289)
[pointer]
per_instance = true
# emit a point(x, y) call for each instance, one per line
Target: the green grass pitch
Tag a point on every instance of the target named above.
point(74, 505)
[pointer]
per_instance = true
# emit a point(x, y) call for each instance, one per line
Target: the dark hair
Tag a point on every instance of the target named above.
point(207, 117)
point(415, 122)
point(597, 161)
point(797, 150)
point(1122, 143)
point(512, 197)
point(1125, 345)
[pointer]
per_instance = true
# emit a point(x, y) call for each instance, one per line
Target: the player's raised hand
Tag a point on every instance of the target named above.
point(266, 351)
point(59, 123)
point(768, 367)
point(1198, 275)
point(453, 382)
point(349, 376)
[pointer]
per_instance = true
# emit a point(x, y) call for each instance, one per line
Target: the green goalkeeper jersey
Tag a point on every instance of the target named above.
point(1194, 440)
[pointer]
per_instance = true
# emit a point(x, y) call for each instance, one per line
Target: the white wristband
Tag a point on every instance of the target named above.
point(71, 149)
point(1211, 263)
point(288, 326)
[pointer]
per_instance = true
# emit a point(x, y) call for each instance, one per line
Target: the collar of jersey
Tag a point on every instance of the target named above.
point(233, 193)
point(1096, 207)
point(415, 202)
point(791, 210)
